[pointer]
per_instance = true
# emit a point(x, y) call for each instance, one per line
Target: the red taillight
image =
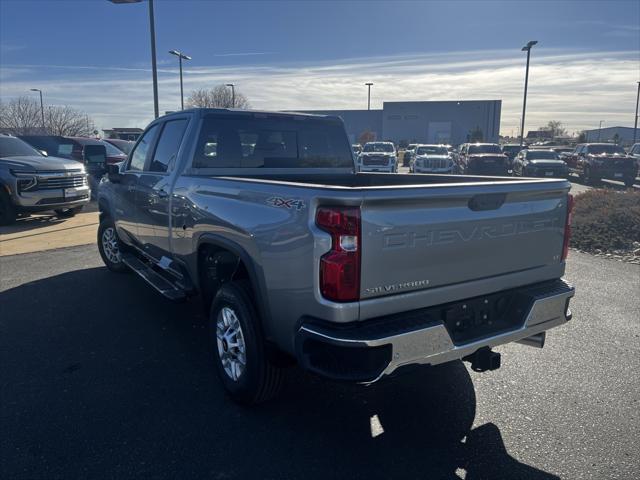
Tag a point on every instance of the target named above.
point(340, 267)
point(567, 227)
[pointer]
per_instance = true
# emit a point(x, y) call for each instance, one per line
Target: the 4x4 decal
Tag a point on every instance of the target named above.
point(286, 203)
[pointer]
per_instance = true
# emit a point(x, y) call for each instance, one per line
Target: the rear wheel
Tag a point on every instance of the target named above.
point(238, 347)
point(7, 210)
point(67, 212)
point(110, 247)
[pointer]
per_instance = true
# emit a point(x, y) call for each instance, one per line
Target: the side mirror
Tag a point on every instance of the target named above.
point(113, 172)
point(44, 153)
point(94, 155)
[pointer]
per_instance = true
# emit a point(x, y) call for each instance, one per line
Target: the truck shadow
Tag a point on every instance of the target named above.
point(102, 378)
point(35, 221)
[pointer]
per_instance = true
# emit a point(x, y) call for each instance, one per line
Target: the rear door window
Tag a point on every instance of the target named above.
point(168, 145)
point(139, 154)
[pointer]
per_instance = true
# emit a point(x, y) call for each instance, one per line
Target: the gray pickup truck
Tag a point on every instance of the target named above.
point(353, 275)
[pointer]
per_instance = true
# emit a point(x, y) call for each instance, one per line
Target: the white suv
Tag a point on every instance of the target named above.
point(378, 157)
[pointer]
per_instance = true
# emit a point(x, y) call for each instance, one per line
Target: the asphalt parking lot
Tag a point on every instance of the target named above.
point(102, 378)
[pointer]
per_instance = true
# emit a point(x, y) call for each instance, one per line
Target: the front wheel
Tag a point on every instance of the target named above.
point(7, 210)
point(110, 247)
point(238, 347)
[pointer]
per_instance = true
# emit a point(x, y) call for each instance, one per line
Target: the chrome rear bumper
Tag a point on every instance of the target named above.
point(428, 341)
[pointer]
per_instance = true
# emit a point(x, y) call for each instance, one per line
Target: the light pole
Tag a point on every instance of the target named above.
point(233, 94)
point(526, 48)
point(154, 70)
point(44, 130)
point(368, 84)
point(180, 56)
point(635, 125)
point(600, 129)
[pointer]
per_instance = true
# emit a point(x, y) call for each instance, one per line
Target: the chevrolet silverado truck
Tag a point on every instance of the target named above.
point(595, 161)
point(482, 159)
point(298, 258)
point(378, 157)
point(31, 182)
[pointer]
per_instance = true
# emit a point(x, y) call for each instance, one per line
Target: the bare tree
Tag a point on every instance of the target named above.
point(68, 122)
point(22, 116)
point(366, 136)
point(219, 96)
point(556, 128)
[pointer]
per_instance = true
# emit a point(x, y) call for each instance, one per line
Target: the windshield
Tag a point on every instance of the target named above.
point(431, 151)
point(542, 155)
point(599, 149)
point(14, 147)
point(124, 145)
point(112, 151)
point(378, 147)
point(484, 149)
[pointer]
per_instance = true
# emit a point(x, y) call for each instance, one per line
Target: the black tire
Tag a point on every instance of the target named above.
point(106, 246)
point(67, 212)
point(259, 380)
point(588, 179)
point(7, 210)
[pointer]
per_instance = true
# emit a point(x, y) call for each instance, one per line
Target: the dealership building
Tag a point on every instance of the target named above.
point(620, 135)
point(451, 122)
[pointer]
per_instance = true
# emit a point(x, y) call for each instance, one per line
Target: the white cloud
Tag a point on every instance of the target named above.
point(578, 88)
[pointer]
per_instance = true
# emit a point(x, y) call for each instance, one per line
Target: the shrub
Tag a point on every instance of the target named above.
point(606, 220)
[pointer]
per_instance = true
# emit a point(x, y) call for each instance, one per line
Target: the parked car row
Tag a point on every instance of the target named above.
point(591, 162)
point(51, 172)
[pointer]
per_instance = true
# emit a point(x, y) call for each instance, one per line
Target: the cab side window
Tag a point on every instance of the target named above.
point(139, 154)
point(168, 145)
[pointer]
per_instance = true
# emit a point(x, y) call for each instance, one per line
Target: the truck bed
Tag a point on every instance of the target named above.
point(384, 180)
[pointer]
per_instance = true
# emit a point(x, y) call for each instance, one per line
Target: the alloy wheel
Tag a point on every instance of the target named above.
point(230, 341)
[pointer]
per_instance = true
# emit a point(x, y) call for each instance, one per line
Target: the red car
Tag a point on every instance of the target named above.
point(114, 154)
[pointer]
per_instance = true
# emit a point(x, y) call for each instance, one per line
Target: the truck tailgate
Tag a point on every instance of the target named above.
point(427, 237)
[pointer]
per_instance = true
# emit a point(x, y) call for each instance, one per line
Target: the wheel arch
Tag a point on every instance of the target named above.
point(246, 265)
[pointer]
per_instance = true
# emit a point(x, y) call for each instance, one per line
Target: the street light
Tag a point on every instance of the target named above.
point(369, 95)
point(180, 56)
point(526, 48)
point(600, 128)
point(44, 130)
point(635, 125)
point(233, 94)
point(152, 32)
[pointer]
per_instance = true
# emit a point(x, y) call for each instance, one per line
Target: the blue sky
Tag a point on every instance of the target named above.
point(95, 55)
